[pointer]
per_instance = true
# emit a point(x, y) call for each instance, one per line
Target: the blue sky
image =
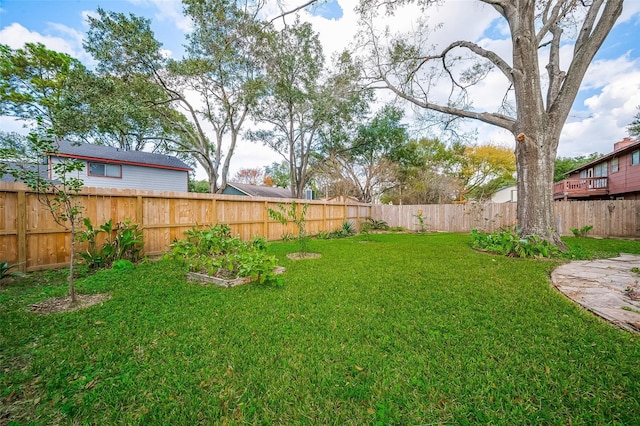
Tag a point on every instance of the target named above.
point(605, 106)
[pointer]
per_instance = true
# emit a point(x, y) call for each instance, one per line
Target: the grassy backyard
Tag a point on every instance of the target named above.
point(402, 329)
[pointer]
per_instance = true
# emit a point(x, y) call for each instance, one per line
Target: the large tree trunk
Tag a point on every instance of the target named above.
point(537, 134)
point(535, 157)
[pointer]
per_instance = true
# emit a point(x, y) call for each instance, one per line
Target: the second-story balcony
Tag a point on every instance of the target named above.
point(581, 188)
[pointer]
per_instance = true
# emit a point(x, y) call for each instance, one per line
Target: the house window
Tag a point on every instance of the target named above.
point(600, 170)
point(583, 174)
point(106, 170)
point(614, 165)
point(635, 157)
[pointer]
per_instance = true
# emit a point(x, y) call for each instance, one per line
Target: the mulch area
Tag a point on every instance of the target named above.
point(63, 304)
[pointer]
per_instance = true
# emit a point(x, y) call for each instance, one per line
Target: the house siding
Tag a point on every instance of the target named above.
point(624, 183)
point(137, 177)
point(627, 179)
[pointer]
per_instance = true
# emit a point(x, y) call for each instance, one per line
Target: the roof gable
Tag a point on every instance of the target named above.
point(86, 151)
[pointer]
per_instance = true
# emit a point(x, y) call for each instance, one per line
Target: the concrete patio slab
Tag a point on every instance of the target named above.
point(602, 286)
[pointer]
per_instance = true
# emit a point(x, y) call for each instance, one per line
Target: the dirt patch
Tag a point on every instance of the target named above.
point(63, 304)
point(301, 256)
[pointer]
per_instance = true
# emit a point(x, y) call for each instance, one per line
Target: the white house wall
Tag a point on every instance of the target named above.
point(138, 177)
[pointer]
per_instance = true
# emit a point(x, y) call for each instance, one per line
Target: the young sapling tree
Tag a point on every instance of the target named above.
point(58, 193)
point(295, 214)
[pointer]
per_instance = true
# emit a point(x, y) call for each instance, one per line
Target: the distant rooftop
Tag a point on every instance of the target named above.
point(88, 151)
point(261, 191)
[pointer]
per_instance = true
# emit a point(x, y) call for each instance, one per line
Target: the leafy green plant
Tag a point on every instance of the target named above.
point(509, 243)
point(216, 252)
point(422, 226)
point(376, 225)
point(581, 232)
point(346, 230)
point(5, 270)
point(126, 244)
point(295, 214)
point(123, 265)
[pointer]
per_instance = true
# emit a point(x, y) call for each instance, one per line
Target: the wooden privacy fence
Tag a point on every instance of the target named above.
point(609, 218)
point(30, 237)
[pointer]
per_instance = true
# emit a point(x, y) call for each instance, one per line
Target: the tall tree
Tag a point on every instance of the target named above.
point(428, 173)
point(118, 112)
point(538, 28)
point(370, 160)
point(219, 74)
point(302, 99)
point(37, 86)
point(223, 67)
point(485, 168)
point(278, 174)
point(292, 108)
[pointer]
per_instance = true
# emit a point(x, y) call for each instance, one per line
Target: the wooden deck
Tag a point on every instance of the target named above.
point(581, 188)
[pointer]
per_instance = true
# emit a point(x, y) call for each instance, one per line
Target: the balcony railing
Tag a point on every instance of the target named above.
point(581, 188)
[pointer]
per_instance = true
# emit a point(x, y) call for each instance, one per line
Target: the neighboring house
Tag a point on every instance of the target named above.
point(108, 167)
point(612, 176)
point(507, 194)
point(247, 190)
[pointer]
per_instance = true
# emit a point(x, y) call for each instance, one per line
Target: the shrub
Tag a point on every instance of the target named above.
point(373, 225)
point(582, 232)
point(507, 242)
point(216, 252)
point(5, 270)
point(126, 244)
point(346, 230)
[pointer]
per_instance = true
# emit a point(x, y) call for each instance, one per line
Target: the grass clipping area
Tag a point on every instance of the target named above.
point(407, 329)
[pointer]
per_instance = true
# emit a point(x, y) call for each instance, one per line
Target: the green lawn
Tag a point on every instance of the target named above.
point(402, 329)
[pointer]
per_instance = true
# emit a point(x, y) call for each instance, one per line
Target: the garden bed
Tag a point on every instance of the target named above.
point(222, 282)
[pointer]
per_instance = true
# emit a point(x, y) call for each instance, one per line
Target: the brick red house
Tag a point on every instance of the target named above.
point(615, 176)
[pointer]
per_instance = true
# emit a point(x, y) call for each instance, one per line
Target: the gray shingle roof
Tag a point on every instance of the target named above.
point(261, 191)
point(108, 153)
point(41, 169)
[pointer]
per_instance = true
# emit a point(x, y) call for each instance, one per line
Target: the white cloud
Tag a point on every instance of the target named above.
point(11, 125)
point(168, 11)
point(608, 114)
point(630, 11)
point(62, 39)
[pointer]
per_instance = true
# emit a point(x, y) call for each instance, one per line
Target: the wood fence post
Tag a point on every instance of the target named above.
point(265, 221)
point(22, 231)
point(214, 213)
point(140, 211)
point(324, 216)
